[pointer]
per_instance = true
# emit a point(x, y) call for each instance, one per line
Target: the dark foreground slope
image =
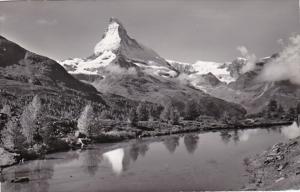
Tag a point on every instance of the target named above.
point(23, 66)
point(40, 102)
point(276, 168)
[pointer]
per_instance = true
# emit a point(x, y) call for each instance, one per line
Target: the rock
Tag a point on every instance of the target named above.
point(79, 142)
point(293, 143)
point(282, 166)
point(250, 187)
point(298, 169)
point(273, 158)
point(297, 160)
point(3, 116)
point(280, 179)
point(80, 135)
point(279, 157)
point(276, 150)
point(7, 158)
point(269, 159)
point(20, 180)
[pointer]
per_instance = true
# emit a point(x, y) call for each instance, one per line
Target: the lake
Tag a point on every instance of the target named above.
point(193, 161)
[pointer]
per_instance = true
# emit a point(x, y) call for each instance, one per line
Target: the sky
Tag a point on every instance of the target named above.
point(182, 30)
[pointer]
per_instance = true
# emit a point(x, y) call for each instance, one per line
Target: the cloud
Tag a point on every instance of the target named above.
point(117, 70)
point(280, 42)
point(251, 59)
point(46, 22)
point(2, 18)
point(185, 79)
point(286, 66)
point(243, 50)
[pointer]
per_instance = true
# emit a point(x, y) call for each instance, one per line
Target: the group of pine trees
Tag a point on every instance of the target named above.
point(20, 132)
point(35, 119)
point(275, 110)
point(169, 114)
point(143, 112)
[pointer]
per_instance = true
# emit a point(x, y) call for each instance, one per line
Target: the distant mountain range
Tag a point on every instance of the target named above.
point(143, 74)
point(121, 65)
point(121, 68)
point(126, 80)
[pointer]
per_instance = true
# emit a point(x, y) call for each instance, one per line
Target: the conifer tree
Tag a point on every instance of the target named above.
point(142, 112)
point(132, 118)
point(85, 119)
point(29, 117)
point(191, 110)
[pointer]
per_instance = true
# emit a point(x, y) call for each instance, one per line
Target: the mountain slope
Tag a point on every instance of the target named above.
point(141, 86)
point(18, 64)
point(252, 93)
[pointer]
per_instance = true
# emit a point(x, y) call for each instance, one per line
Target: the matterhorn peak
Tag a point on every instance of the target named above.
point(112, 38)
point(121, 29)
point(115, 20)
point(115, 44)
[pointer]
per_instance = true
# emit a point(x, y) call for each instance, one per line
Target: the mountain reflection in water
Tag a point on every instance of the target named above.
point(206, 161)
point(115, 157)
point(291, 131)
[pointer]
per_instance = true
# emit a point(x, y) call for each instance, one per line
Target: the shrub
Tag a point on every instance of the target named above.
point(142, 112)
point(174, 116)
point(132, 118)
point(280, 110)
point(298, 108)
point(272, 106)
point(6, 110)
point(12, 138)
point(165, 114)
point(292, 113)
point(105, 114)
point(191, 111)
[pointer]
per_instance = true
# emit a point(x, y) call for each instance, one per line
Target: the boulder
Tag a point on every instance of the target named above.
point(7, 158)
point(20, 180)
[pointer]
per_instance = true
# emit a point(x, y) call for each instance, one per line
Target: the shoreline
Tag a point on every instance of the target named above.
point(222, 128)
point(142, 131)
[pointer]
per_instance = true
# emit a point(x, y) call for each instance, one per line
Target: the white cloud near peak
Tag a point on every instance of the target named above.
point(2, 18)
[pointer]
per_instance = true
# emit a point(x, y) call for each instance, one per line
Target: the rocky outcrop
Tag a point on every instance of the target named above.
point(277, 168)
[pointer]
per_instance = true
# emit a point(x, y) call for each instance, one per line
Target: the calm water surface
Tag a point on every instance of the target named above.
point(205, 161)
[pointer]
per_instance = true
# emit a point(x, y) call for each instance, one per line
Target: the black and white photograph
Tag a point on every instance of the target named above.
point(149, 95)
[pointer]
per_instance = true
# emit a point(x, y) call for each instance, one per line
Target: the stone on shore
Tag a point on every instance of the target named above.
point(7, 158)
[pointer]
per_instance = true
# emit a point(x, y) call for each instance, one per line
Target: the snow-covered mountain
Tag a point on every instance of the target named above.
point(115, 43)
point(125, 67)
point(122, 66)
point(220, 70)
